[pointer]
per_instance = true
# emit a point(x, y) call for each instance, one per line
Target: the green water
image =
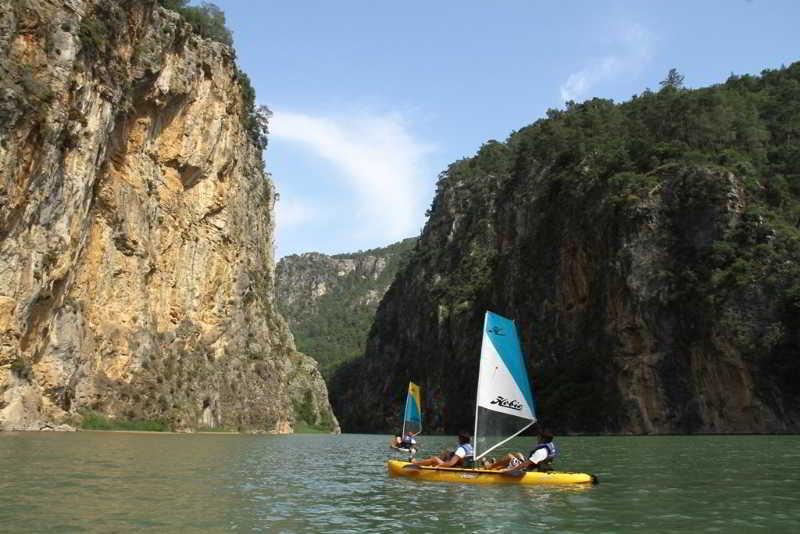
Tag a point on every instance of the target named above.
point(118, 482)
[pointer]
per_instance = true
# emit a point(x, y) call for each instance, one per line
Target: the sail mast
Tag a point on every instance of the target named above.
point(477, 392)
point(405, 416)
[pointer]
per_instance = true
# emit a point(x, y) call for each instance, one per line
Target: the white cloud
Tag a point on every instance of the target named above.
point(632, 46)
point(379, 160)
point(294, 212)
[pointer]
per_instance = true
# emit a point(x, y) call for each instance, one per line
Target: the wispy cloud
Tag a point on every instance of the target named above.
point(377, 157)
point(294, 212)
point(631, 48)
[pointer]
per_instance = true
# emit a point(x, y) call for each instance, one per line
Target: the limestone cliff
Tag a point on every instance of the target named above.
point(136, 224)
point(330, 301)
point(649, 252)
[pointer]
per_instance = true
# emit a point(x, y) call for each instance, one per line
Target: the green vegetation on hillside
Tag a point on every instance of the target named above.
point(207, 19)
point(334, 329)
point(615, 154)
point(669, 223)
point(748, 126)
point(606, 160)
point(304, 412)
point(98, 421)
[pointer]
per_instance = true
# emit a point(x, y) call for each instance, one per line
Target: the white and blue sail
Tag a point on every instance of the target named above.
point(504, 407)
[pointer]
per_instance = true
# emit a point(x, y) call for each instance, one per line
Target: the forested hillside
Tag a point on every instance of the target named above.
point(649, 251)
point(330, 301)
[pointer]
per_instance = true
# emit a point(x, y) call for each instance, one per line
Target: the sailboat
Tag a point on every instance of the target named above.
point(504, 409)
point(412, 415)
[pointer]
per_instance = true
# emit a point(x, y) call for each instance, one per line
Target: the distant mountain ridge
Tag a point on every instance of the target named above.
point(330, 301)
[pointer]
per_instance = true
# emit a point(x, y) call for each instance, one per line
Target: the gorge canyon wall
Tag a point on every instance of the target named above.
point(136, 224)
point(649, 252)
point(330, 301)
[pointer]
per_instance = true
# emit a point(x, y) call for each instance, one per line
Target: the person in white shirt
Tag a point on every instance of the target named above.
point(461, 456)
point(539, 459)
point(407, 442)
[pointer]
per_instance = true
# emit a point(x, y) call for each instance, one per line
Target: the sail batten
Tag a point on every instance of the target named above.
point(504, 404)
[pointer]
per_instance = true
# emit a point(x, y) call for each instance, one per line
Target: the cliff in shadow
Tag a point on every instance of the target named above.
point(649, 252)
point(136, 224)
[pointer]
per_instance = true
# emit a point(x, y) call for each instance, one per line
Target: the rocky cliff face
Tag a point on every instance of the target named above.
point(330, 301)
point(136, 225)
point(649, 253)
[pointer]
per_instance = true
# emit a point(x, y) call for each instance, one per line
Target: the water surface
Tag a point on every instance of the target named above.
point(119, 482)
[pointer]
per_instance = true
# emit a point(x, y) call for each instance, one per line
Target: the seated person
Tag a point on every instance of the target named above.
point(408, 441)
point(403, 442)
point(461, 457)
point(539, 459)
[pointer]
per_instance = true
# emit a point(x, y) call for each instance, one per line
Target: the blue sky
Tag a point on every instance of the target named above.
point(373, 99)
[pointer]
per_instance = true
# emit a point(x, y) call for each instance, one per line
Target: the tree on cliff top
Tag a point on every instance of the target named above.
point(674, 80)
point(207, 19)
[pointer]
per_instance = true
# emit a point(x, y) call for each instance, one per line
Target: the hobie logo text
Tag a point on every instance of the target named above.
point(505, 403)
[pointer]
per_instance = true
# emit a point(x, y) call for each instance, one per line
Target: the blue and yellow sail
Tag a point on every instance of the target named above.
point(412, 418)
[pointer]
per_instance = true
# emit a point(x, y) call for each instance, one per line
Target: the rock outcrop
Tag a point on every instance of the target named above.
point(136, 224)
point(649, 252)
point(330, 301)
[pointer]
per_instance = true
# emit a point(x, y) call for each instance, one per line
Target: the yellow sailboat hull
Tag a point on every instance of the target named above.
point(484, 476)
